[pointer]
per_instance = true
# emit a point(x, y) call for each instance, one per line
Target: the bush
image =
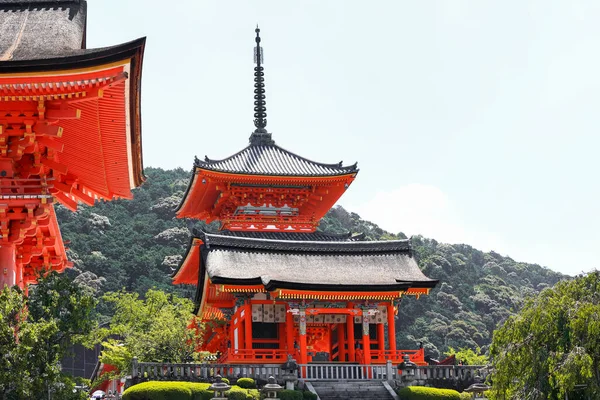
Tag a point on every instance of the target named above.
point(200, 391)
point(290, 395)
point(427, 393)
point(158, 391)
point(184, 391)
point(465, 396)
point(225, 380)
point(308, 395)
point(237, 393)
point(246, 383)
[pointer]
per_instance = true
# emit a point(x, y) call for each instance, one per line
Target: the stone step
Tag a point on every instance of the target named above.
point(370, 390)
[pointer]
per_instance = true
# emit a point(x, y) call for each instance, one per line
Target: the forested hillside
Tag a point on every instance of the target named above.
point(136, 244)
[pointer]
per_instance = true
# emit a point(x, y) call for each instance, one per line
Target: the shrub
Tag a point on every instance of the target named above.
point(158, 391)
point(184, 391)
point(246, 383)
point(200, 391)
point(237, 393)
point(427, 393)
point(225, 380)
point(290, 395)
point(308, 395)
point(465, 396)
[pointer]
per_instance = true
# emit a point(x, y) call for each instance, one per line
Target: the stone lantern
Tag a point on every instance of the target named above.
point(271, 388)
point(219, 388)
point(478, 388)
point(407, 369)
point(290, 373)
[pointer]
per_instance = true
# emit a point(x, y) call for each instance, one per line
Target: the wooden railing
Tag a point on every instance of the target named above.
point(201, 372)
point(381, 356)
point(254, 356)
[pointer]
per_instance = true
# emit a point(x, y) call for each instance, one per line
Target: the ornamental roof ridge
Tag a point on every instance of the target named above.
point(258, 159)
point(341, 247)
point(36, 2)
point(283, 235)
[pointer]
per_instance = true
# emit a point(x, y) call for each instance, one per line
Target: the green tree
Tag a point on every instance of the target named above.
point(35, 334)
point(551, 345)
point(153, 329)
point(469, 356)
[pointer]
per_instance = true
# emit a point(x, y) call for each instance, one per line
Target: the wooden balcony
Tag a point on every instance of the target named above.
point(254, 356)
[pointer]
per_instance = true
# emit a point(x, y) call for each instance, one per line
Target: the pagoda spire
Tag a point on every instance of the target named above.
point(260, 136)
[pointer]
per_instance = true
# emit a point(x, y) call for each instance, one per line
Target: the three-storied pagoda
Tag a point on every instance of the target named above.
point(70, 128)
point(268, 284)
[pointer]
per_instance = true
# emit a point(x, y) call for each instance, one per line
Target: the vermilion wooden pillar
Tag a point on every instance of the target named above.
point(303, 350)
point(289, 332)
point(350, 330)
point(241, 332)
point(341, 342)
point(8, 265)
point(248, 326)
point(391, 328)
point(366, 339)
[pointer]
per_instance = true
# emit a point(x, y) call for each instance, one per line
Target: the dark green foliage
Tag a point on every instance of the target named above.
point(36, 333)
point(427, 393)
point(290, 395)
point(246, 383)
point(200, 391)
point(308, 395)
point(551, 348)
point(139, 244)
point(183, 391)
point(158, 391)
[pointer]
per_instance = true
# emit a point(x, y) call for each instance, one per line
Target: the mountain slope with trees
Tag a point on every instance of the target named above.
point(135, 245)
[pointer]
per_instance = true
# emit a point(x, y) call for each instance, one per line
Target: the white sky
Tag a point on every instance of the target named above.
point(471, 121)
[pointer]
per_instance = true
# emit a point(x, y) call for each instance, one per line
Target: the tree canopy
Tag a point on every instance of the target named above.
point(153, 329)
point(552, 346)
point(36, 331)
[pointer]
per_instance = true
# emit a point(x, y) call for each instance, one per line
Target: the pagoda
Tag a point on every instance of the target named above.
point(268, 284)
point(70, 129)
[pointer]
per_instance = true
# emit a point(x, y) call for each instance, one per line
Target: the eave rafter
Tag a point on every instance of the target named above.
point(261, 202)
point(31, 111)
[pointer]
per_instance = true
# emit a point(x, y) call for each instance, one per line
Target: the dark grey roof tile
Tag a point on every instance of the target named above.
point(273, 160)
point(41, 29)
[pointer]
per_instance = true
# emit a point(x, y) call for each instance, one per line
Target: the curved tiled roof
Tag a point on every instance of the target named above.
point(303, 236)
point(303, 245)
point(273, 160)
point(312, 265)
point(41, 29)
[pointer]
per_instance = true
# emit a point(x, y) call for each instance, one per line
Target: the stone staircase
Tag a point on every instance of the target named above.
point(357, 390)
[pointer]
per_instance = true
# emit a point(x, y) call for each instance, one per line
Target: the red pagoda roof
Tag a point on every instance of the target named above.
point(264, 187)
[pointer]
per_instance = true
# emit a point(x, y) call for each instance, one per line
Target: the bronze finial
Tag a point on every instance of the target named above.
point(260, 105)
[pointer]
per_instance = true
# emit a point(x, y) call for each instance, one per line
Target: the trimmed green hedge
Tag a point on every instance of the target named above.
point(427, 393)
point(246, 383)
point(184, 391)
point(308, 395)
point(158, 391)
point(290, 395)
